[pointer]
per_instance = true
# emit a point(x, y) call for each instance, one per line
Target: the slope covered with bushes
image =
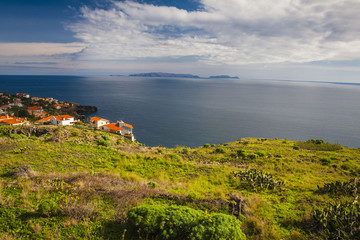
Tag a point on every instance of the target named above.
point(67, 182)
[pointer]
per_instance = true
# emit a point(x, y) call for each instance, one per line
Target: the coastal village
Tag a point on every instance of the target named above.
point(22, 109)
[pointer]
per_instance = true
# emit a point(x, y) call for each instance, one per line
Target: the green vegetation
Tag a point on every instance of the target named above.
point(78, 183)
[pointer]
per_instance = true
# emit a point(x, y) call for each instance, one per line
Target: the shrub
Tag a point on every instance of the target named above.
point(338, 220)
point(119, 141)
point(345, 166)
point(179, 222)
point(241, 153)
point(106, 137)
point(220, 150)
point(319, 145)
point(152, 184)
point(325, 161)
point(296, 147)
point(48, 207)
point(103, 142)
point(257, 180)
point(260, 153)
point(350, 188)
point(252, 156)
point(74, 134)
point(185, 151)
point(17, 136)
point(33, 138)
point(206, 145)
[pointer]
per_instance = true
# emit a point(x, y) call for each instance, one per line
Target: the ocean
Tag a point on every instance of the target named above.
point(192, 112)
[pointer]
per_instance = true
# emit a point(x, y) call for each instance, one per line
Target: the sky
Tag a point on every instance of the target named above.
point(311, 40)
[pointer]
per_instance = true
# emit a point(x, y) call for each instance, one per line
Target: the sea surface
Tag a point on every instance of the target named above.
point(192, 112)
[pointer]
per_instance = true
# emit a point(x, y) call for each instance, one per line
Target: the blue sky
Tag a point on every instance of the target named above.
point(287, 39)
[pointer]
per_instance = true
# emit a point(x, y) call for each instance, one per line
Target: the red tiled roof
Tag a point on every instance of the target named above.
point(112, 126)
point(34, 108)
point(128, 125)
point(95, 119)
point(5, 106)
point(47, 119)
point(63, 117)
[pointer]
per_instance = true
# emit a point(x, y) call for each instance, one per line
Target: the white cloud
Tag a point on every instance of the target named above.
point(224, 32)
point(35, 49)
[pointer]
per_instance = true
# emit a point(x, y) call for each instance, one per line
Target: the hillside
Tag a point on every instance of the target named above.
point(77, 183)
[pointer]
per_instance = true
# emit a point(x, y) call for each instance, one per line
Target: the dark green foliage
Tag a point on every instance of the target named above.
point(319, 145)
point(152, 184)
point(296, 147)
point(350, 188)
point(325, 161)
point(48, 207)
point(220, 150)
point(252, 156)
point(338, 220)
point(179, 222)
point(103, 142)
point(206, 145)
point(345, 166)
point(241, 153)
point(17, 136)
point(106, 137)
point(260, 153)
point(257, 180)
point(185, 151)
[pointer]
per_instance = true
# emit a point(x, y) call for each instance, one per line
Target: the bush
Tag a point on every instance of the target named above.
point(252, 156)
point(106, 137)
point(325, 161)
point(48, 207)
point(349, 188)
point(179, 222)
point(260, 153)
point(241, 153)
point(185, 151)
point(103, 142)
point(345, 166)
point(338, 220)
point(257, 180)
point(152, 184)
point(220, 150)
point(319, 145)
point(17, 136)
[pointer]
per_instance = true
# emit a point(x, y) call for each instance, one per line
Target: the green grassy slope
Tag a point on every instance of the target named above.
point(94, 186)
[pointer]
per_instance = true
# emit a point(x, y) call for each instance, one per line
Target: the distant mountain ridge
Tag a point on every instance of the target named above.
point(224, 76)
point(161, 74)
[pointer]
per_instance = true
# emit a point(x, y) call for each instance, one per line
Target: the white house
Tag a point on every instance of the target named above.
point(63, 120)
point(98, 122)
point(127, 128)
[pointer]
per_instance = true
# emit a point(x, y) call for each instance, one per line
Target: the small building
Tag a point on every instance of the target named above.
point(62, 120)
point(12, 121)
point(112, 128)
point(35, 110)
point(127, 127)
point(5, 107)
point(98, 122)
point(25, 95)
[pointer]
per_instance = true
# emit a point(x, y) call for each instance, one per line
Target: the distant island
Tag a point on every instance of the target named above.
point(224, 76)
point(161, 74)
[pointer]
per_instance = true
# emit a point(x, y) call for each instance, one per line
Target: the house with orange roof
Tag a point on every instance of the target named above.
point(44, 120)
point(35, 109)
point(12, 121)
point(112, 127)
point(97, 122)
point(62, 120)
point(127, 127)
